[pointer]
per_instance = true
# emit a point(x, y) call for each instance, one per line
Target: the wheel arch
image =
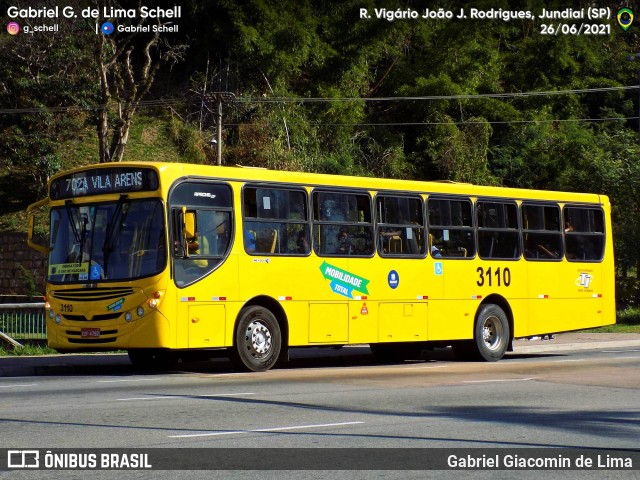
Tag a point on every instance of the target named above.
point(503, 303)
point(274, 307)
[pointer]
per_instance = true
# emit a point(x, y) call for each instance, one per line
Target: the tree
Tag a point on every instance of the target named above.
point(127, 65)
point(46, 91)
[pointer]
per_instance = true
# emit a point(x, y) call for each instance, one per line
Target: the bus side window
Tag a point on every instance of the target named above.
point(342, 223)
point(541, 234)
point(498, 235)
point(272, 217)
point(400, 226)
point(584, 233)
point(451, 224)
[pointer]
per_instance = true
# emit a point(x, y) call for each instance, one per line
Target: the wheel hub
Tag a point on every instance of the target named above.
point(492, 332)
point(258, 338)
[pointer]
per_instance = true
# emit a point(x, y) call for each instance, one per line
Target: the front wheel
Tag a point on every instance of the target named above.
point(258, 340)
point(491, 333)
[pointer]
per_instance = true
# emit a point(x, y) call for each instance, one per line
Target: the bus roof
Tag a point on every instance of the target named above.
point(253, 174)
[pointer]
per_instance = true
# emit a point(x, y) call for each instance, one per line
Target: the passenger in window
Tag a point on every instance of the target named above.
point(435, 252)
point(193, 246)
point(302, 244)
point(568, 227)
point(331, 212)
point(344, 244)
point(249, 240)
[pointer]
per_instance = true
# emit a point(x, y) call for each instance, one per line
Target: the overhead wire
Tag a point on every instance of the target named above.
point(267, 99)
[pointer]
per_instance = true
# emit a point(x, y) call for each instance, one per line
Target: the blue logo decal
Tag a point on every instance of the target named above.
point(393, 278)
point(341, 289)
point(95, 272)
point(438, 269)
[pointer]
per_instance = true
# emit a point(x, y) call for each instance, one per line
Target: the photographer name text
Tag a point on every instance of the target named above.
point(91, 12)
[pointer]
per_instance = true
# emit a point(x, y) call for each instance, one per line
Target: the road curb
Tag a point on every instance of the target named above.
point(550, 346)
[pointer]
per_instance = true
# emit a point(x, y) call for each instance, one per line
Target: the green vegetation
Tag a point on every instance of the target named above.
point(628, 321)
point(26, 350)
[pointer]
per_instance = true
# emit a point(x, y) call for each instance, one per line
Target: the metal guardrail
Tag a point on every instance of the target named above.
point(23, 321)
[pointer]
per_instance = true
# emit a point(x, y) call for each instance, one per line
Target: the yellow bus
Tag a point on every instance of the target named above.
point(162, 258)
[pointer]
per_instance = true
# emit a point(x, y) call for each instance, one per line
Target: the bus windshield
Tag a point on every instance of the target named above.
point(107, 241)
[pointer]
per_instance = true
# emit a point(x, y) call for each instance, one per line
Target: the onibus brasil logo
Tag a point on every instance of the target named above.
point(342, 282)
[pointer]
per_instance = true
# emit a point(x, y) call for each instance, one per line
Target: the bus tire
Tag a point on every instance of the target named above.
point(491, 333)
point(152, 359)
point(258, 340)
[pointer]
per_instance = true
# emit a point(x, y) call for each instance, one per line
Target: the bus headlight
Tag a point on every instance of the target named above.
point(128, 317)
point(140, 311)
point(51, 314)
point(153, 303)
point(58, 319)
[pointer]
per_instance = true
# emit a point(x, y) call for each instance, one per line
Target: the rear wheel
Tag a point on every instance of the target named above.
point(258, 340)
point(491, 333)
point(490, 336)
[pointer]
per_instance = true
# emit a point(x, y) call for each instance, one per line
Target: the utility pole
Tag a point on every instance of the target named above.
point(218, 98)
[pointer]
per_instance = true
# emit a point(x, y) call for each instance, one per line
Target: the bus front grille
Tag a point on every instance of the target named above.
point(92, 294)
point(96, 318)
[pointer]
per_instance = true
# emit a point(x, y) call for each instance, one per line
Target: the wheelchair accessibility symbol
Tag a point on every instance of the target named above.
point(438, 268)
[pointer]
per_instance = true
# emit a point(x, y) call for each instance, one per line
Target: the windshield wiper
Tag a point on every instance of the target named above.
point(112, 234)
point(72, 221)
point(83, 233)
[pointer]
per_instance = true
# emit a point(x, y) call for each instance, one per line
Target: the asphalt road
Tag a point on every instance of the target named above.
point(581, 399)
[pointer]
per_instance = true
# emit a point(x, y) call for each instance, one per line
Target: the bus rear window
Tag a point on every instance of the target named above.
point(583, 234)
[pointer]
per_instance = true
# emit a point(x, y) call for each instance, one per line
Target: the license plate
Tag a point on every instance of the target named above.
point(90, 332)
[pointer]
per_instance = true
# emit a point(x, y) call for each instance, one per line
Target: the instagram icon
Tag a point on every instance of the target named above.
point(13, 28)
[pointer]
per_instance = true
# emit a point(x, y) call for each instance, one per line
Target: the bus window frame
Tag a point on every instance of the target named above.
point(517, 230)
point(602, 234)
point(377, 225)
point(472, 228)
point(174, 210)
point(317, 224)
point(276, 221)
point(523, 230)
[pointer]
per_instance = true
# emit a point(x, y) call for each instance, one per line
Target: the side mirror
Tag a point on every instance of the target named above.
point(31, 225)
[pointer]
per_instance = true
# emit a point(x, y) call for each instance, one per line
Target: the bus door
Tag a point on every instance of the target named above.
point(201, 219)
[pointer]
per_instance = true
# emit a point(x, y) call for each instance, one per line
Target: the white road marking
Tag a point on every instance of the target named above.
point(19, 385)
point(262, 430)
point(183, 396)
point(128, 380)
point(501, 380)
point(425, 367)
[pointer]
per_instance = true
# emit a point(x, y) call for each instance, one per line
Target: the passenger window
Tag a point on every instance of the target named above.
point(400, 226)
point(583, 234)
point(342, 224)
point(450, 228)
point(541, 233)
point(498, 235)
point(275, 221)
point(201, 229)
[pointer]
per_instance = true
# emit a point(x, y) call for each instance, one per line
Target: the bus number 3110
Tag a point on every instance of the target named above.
point(502, 276)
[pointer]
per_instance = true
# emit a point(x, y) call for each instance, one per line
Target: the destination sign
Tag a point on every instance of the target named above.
point(104, 180)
